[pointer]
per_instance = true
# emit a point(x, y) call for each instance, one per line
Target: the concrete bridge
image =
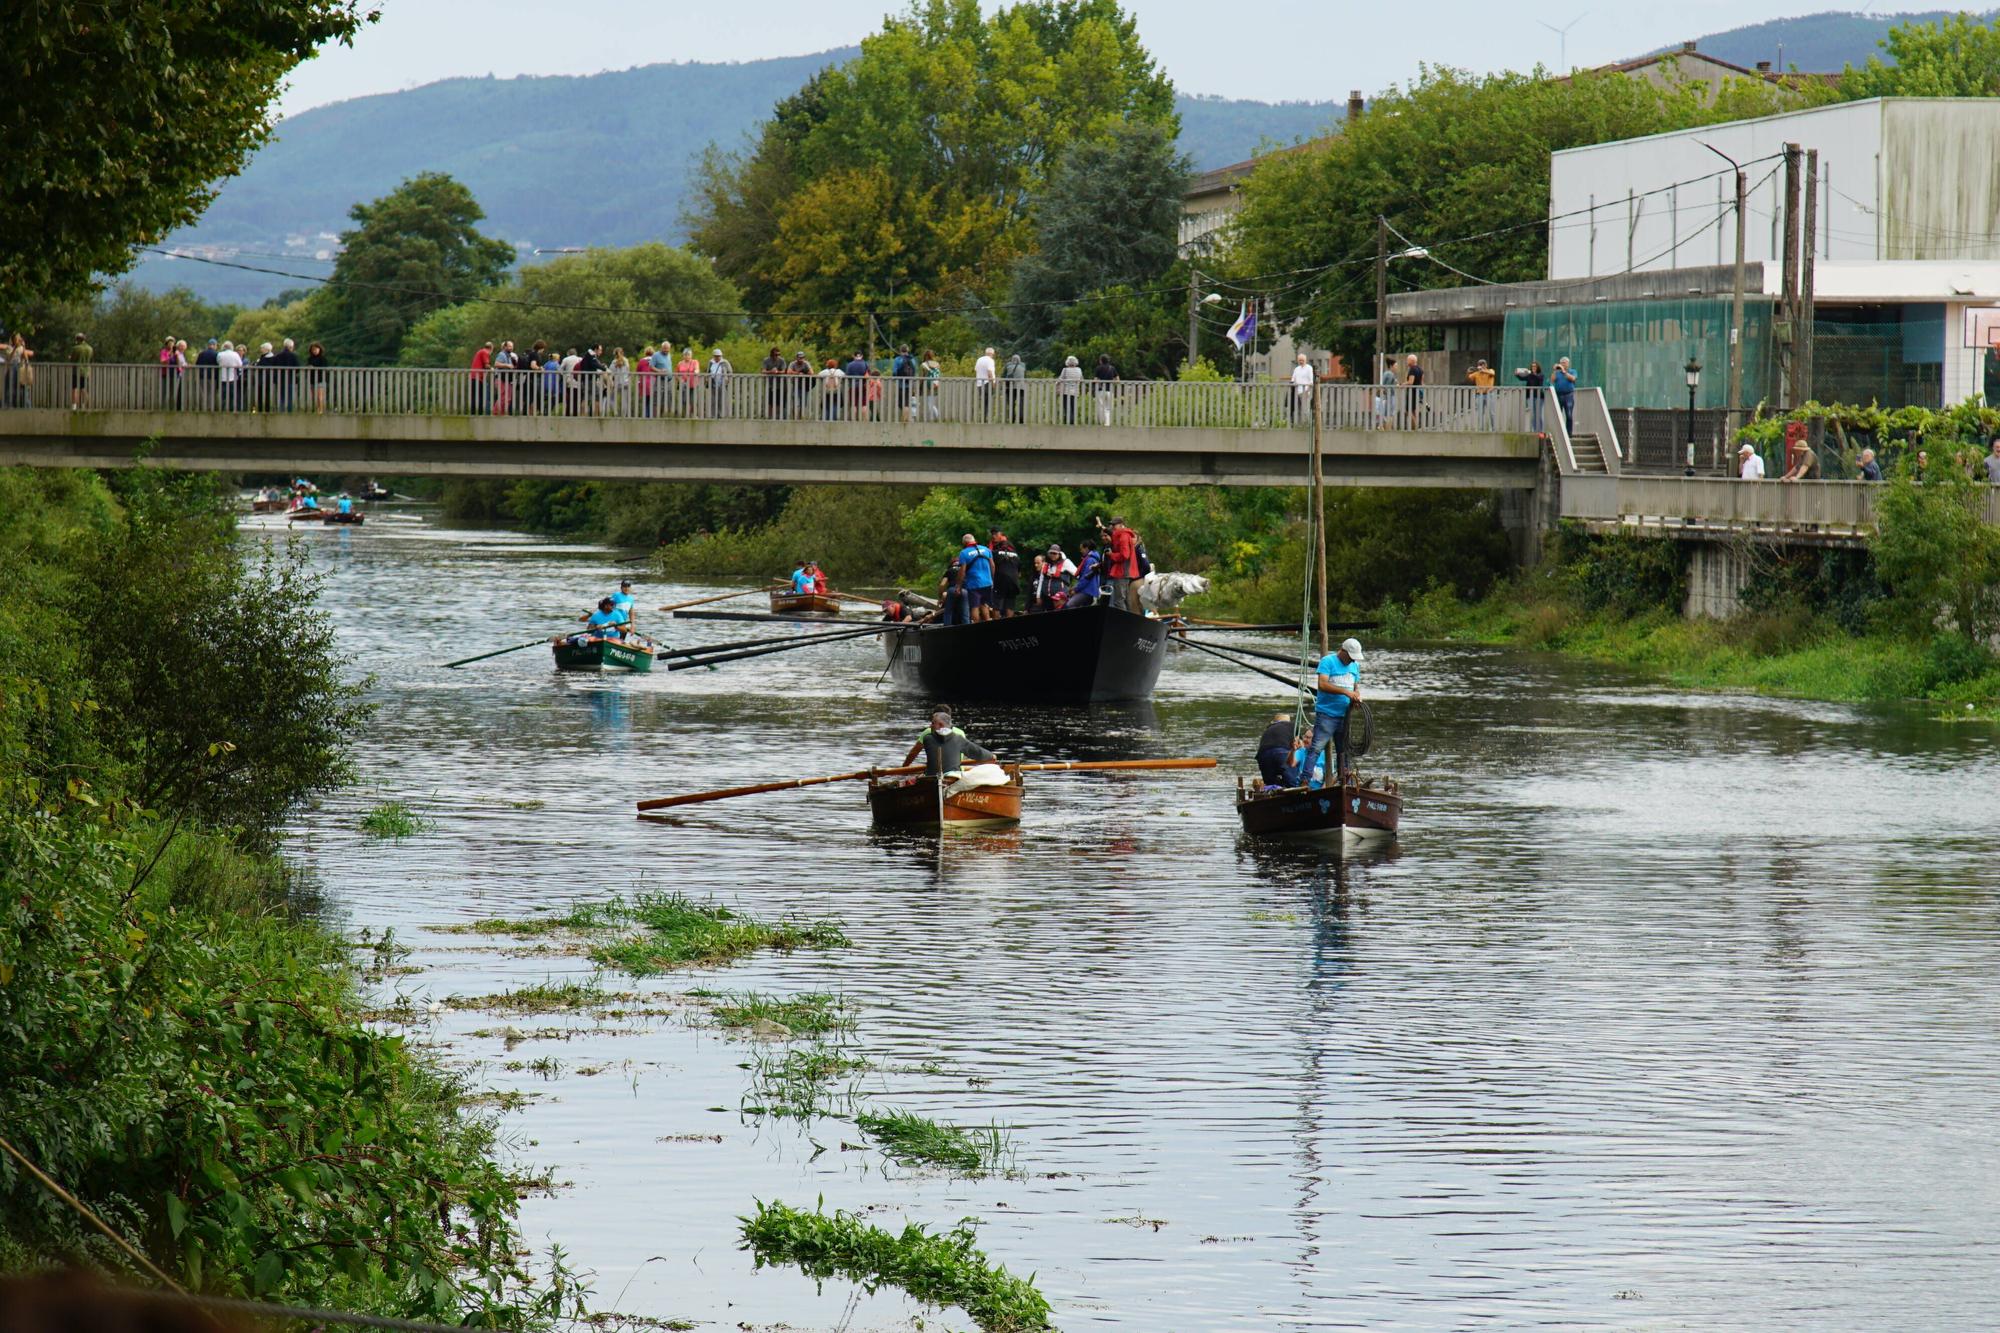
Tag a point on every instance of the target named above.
point(781, 429)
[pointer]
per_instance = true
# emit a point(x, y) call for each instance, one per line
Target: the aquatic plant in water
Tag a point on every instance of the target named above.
point(916, 1140)
point(937, 1268)
point(394, 819)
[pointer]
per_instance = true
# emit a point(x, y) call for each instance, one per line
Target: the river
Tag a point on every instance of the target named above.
point(1667, 1010)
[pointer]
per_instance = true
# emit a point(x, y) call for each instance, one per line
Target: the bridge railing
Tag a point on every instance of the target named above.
point(399, 391)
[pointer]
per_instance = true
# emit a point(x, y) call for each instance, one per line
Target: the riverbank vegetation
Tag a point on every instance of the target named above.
point(650, 933)
point(180, 1046)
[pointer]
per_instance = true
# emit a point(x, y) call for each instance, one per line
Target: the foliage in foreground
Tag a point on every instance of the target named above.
point(656, 932)
point(938, 1269)
point(176, 1047)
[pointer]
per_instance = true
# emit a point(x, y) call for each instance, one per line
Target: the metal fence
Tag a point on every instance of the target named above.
point(1151, 404)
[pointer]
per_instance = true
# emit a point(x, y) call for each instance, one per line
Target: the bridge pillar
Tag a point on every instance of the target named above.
point(1528, 517)
point(1718, 572)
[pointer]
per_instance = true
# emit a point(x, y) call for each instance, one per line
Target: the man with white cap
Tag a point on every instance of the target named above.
point(1749, 466)
point(1339, 690)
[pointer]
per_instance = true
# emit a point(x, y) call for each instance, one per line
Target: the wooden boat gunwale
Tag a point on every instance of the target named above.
point(602, 655)
point(804, 604)
point(928, 808)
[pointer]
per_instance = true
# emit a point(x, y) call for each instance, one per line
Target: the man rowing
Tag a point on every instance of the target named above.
point(1339, 680)
point(603, 623)
point(623, 603)
point(945, 749)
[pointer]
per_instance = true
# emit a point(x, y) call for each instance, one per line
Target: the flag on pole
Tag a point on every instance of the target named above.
point(1244, 331)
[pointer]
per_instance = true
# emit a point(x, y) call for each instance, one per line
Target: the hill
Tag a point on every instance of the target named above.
point(1812, 43)
point(601, 159)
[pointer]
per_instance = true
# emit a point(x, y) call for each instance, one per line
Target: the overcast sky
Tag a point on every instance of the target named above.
point(1273, 50)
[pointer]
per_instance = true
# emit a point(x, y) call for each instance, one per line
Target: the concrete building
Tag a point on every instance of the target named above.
point(1905, 247)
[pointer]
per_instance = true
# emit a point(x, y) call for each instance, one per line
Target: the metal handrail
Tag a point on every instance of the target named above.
point(875, 399)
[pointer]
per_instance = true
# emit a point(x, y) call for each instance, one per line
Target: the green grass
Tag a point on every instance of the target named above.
point(802, 1083)
point(814, 1014)
point(914, 1140)
point(542, 998)
point(938, 1269)
point(664, 931)
point(394, 819)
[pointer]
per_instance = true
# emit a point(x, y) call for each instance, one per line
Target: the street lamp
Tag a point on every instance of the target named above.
point(1693, 369)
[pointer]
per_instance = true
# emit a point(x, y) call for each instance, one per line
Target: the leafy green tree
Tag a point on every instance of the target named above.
point(1458, 163)
point(1936, 553)
point(1957, 56)
point(301, 320)
point(125, 324)
point(909, 177)
point(1109, 218)
point(414, 250)
point(620, 298)
point(122, 116)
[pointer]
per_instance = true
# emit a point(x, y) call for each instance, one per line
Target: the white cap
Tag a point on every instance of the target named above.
point(1745, 449)
point(1352, 647)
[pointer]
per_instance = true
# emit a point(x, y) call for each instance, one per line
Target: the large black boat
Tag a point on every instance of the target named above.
point(1099, 654)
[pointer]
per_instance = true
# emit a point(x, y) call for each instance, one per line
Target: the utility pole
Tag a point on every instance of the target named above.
point(1804, 323)
point(1381, 296)
point(1788, 364)
point(1731, 407)
point(1194, 313)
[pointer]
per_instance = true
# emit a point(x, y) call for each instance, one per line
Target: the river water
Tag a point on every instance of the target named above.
point(1666, 1011)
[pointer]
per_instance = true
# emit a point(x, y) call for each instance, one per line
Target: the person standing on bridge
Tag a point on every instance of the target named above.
point(984, 373)
point(81, 355)
point(1302, 388)
point(482, 362)
point(1413, 390)
point(287, 363)
point(1565, 382)
point(1069, 386)
point(503, 379)
point(1014, 385)
point(1107, 387)
point(1532, 379)
point(774, 385)
point(1481, 379)
point(1748, 466)
point(933, 386)
point(904, 371)
point(857, 386)
point(719, 373)
point(205, 362)
point(229, 371)
point(316, 367)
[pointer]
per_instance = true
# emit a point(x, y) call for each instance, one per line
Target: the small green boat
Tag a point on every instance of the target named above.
point(602, 655)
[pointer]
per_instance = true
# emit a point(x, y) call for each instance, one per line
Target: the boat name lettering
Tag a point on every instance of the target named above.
point(1144, 645)
point(1015, 645)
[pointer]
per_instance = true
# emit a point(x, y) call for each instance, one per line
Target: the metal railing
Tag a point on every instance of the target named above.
point(1689, 504)
point(632, 395)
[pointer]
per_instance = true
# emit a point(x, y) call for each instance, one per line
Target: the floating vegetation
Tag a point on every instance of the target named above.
point(663, 931)
point(800, 1082)
point(914, 1140)
point(936, 1269)
point(394, 819)
point(542, 998)
point(813, 1014)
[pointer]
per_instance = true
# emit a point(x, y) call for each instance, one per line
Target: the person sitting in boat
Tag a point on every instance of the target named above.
point(623, 603)
point(1307, 766)
point(1274, 751)
point(309, 501)
point(945, 748)
point(819, 583)
point(802, 579)
point(1339, 690)
point(1089, 580)
point(895, 611)
point(345, 504)
point(603, 623)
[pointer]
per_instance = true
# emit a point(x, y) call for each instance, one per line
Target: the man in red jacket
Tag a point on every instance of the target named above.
point(1122, 551)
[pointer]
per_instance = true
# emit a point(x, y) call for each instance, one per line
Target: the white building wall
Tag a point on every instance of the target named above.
point(1602, 225)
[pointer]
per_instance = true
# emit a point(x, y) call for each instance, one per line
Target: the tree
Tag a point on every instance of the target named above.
point(620, 298)
point(947, 124)
point(1455, 156)
point(414, 250)
point(1959, 56)
point(1110, 218)
point(1938, 556)
point(127, 323)
point(122, 116)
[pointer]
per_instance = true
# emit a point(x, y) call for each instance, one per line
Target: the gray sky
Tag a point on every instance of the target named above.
point(1269, 49)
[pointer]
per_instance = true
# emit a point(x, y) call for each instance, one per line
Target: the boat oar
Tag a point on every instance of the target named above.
point(662, 802)
point(1279, 658)
point(719, 597)
point(1237, 661)
point(807, 642)
point(1101, 765)
point(499, 652)
point(793, 638)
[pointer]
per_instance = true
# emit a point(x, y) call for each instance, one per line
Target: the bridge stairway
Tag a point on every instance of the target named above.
point(1589, 451)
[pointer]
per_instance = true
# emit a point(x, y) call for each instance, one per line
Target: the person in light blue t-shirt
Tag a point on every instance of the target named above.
point(622, 602)
point(802, 579)
point(345, 504)
point(1339, 690)
point(978, 578)
point(603, 623)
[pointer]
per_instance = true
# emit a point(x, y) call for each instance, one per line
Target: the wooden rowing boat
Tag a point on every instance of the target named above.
point(274, 505)
point(352, 516)
point(312, 515)
point(804, 604)
point(921, 803)
point(1354, 810)
point(575, 654)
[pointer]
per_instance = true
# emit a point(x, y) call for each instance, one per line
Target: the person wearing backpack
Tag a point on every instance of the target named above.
point(1122, 544)
point(904, 370)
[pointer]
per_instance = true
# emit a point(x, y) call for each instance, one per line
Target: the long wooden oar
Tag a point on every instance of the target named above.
point(1237, 661)
point(662, 802)
point(719, 597)
point(807, 642)
point(499, 652)
point(1252, 652)
point(792, 638)
point(1101, 765)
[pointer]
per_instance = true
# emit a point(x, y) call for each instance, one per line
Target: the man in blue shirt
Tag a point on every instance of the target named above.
point(623, 604)
point(802, 579)
point(603, 622)
point(1089, 580)
point(1339, 690)
point(978, 580)
point(345, 504)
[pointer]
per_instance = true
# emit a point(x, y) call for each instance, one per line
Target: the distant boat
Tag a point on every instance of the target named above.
point(921, 803)
point(1099, 654)
point(309, 515)
point(602, 655)
point(352, 516)
point(1330, 812)
point(804, 604)
point(269, 504)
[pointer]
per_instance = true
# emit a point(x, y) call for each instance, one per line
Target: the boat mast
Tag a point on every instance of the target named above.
point(1319, 517)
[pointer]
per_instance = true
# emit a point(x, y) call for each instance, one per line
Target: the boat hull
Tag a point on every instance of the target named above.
point(1351, 811)
point(804, 604)
point(602, 655)
point(307, 516)
point(267, 506)
point(1101, 654)
point(337, 517)
point(919, 804)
